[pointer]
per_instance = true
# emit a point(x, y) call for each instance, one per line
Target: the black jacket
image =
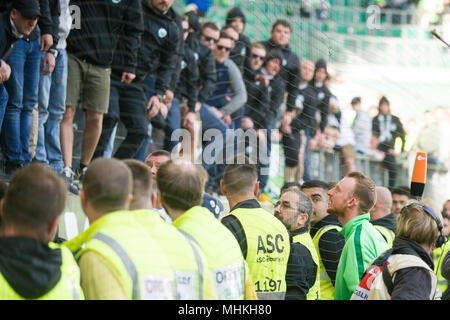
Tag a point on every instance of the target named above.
point(290, 71)
point(389, 222)
point(411, 283)
point(301, 270)
point(101, 24)
point(241, 52)
point(395, 130)
point(189, 76)
point(263, 103)
point(207, 67)
point(307, 100)
point(330, 245)
point(7, 39)
point(158, 52)
point(31, 268)
point(323, 97)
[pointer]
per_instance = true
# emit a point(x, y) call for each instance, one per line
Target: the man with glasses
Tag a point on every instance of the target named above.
point(230, 94)
point(294, 209)
point(209, 34)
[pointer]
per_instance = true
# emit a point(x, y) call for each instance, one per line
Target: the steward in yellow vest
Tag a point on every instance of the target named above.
point(180, 185)
point(326, 237)
point(263, 239)
point(32, 267)
point(382, 218)
point(118, 257)
point(294, 209)
point(191, 267)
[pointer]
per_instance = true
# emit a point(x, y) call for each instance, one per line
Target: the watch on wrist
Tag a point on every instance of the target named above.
point(53, 52)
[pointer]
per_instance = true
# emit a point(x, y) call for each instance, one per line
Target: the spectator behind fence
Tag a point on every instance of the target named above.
point(428, 139)
point(90, 55)
point(22, 85)
point(386, 128)
point(216, 112)
point(280, 37)
point(261, 108)
point(241, 51)
point(31, 266)
point(294, 209)
point(400, 197)
point(351, 199)
point(154, 161)
point(118, 257)
point(381, 216)
point(181, 185)
point(325, 231)
point(409, 273)
point(296, 121)
point(157, 56)
point(189, 262)
point(52, 97)
point(345, 144)
point(263, 239)
point(361, 126)
point(314, 134)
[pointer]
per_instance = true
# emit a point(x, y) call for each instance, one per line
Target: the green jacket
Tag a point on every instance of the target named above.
point(363, 243)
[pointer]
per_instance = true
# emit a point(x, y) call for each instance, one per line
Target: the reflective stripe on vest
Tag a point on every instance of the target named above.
point(127, 262)
point(198, 260)
point(226, 266)
point(326, 286)
point(305, 240)
point(387, 234)
point(268, 251)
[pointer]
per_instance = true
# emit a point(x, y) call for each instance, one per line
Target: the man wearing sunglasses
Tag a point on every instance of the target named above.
point(230, 94)
point(209, 34)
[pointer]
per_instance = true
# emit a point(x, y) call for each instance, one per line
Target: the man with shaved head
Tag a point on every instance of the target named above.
point(180, 189)
point(381, 216)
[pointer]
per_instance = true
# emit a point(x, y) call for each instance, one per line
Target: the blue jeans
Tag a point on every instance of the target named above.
point(141, 154)
point(173, 123)
point(52, 98)
point(22, 87)
point(212, 164)
point(3, 103)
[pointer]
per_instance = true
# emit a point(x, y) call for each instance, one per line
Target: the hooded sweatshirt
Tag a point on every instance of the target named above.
point(31, 267)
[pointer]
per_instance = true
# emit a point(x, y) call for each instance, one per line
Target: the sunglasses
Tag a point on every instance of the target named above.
point(208, 39)
point(255, 56)
point(222, 48)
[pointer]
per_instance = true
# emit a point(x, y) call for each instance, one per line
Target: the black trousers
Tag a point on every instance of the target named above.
point(127, 103)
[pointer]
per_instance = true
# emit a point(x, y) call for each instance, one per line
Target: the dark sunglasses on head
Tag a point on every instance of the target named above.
point(208, 39)
point(222, 47)
point(255, 56)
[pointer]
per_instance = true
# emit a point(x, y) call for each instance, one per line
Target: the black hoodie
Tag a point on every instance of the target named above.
point(290, 71)
point(389, 222)
point(411, 283)
point(30, 267)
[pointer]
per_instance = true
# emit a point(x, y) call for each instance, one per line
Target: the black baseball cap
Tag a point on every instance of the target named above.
point(27, 8)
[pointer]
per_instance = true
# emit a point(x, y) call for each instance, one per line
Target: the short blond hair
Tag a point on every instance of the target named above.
point(415, 224)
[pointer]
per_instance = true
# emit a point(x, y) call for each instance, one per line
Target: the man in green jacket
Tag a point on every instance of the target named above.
point(351, 199)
